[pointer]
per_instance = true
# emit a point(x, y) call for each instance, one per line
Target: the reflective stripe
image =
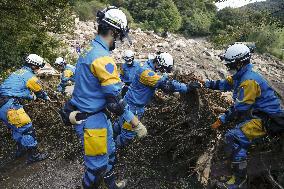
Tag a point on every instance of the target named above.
point(127, 126)
point(149, 78)
point(253, 129)
point(230, 80)
point(33, 84)
point(68, 73)
point(105, 70)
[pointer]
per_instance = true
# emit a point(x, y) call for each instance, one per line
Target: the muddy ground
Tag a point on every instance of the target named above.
point(179, 134)
point(179, 130)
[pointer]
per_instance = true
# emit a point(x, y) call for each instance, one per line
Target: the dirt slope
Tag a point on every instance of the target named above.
point(178, 126)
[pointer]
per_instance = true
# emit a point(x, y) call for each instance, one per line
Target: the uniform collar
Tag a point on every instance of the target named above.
point(28, 68)
point(240, 73)
point(101, 41)
point(151, 64)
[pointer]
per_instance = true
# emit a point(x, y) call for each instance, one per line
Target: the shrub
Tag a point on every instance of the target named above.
point(155, 15)
point(24, 29)
point(87, 10)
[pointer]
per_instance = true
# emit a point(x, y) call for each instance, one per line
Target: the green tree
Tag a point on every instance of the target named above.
point(197, 16)
point(87, 10)
point(231, 25)
point(24, 29)
point(158, 15)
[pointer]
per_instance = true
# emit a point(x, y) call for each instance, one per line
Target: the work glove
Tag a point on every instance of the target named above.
point(33, 97)
point(193, 85)
point(140, 130)
point(217, 124)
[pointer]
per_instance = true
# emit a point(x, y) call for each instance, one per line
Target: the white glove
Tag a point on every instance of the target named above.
point(140, 130)
point(34, 96)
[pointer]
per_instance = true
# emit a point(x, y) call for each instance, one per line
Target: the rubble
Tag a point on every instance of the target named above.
point(180, 147)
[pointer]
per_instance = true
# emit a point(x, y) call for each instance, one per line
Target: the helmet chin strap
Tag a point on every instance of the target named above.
point(232, 72)
point(236, 68)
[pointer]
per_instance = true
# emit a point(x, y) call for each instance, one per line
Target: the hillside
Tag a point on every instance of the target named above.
point(180, 148)
point(274, 7)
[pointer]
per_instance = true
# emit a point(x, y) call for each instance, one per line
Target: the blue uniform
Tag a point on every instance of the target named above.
point(127, 72)
point(68, 74)
point(251, 92)
point(139, 94)
point(22, 84)
point(96, 78)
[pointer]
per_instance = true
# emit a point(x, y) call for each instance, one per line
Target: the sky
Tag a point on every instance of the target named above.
point(235, 3)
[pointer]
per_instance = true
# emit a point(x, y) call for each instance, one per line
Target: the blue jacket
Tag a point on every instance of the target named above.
point(146, 81)
point(96, 76)
point(127, 73)
point(250, 92)
point(68, 74)
point(22, 84)
point(96, 79)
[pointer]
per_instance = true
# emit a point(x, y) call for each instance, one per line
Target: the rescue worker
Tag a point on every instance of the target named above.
point(68, 73)
point(147, 79)
point(128, 69)
point(22, 84)
point(97, 88)
point(254, 102)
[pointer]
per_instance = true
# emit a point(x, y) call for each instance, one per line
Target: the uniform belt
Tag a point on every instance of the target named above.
point(3, 100)
point(83, 115)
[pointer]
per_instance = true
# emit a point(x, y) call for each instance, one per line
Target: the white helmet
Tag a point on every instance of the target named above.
point(128, 57)
point(59, 61)
point(164, 61)
point(237, 53)
point(35, 60)
point(114, 17)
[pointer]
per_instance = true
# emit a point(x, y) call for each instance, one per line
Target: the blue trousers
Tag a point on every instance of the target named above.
point(19, 123)
point(239, 139)
point(123, 131)
point(96, 136)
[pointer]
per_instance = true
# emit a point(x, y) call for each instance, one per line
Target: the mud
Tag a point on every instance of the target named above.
point(164, 159)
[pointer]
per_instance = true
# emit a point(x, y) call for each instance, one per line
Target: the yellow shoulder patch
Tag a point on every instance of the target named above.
point(149, 78)
point(68, 73)
point(251, 90)
point(33, 84)
point(105, 69)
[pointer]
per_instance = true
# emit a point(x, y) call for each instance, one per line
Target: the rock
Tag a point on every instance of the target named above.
point(207, 53)
point(138, 30)
point(48, 70)
point(164, 45)
point(76, 20)
point(180, 43)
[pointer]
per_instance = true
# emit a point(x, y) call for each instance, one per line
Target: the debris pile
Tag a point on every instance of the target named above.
point(181, 150)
